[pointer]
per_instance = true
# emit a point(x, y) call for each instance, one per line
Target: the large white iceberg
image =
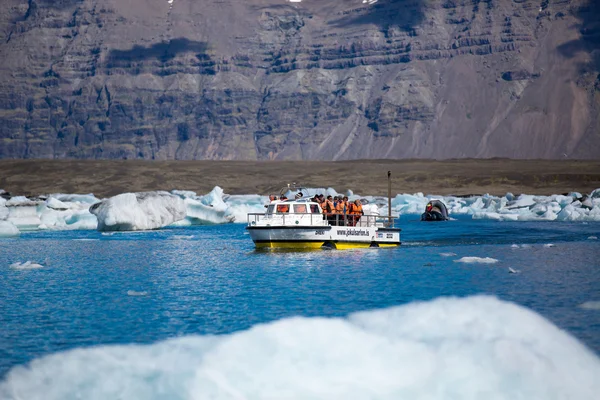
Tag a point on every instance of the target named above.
point(449, 348)
point(138, 211)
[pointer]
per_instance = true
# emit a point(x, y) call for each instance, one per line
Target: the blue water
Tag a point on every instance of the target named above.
point(146, 286)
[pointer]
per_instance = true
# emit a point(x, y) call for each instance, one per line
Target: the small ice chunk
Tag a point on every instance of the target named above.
point(593, 238)
point(590, 305)
point(447, 254)
point(136, 293)
point(181, 237)
point(477, 260)
point(513, 271)
point(26, 265)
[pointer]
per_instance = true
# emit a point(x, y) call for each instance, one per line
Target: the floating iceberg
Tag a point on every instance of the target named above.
point(22, 213)
point(208, 209)
point(55, 212)
point(448, 348)
point(68, 212)
point(138, 211)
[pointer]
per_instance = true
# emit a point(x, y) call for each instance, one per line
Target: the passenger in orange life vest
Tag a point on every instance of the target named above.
point(355, 212)
point(346, 206)
point(328, 209)
point(339, 211)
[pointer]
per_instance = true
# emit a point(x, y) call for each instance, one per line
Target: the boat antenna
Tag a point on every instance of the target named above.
point(390, 198)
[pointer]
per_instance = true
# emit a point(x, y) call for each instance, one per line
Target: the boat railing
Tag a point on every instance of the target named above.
point(312, 219)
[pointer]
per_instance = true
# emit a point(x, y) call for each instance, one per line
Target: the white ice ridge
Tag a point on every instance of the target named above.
point(70, 211)
point(138, 211)
point(572, 207)
point(449, 348)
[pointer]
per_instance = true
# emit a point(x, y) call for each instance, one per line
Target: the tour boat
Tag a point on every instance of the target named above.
point(301, 224)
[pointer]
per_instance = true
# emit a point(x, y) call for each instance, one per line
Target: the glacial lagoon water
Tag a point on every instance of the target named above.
point(96, 290)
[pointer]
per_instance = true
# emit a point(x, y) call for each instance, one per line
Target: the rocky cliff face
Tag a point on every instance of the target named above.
point(270, 79)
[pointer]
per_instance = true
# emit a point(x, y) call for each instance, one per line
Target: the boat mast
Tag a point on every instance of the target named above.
point(390, 198)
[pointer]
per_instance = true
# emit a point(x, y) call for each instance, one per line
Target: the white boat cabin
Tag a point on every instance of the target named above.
point(304, 212)
point(291, 212)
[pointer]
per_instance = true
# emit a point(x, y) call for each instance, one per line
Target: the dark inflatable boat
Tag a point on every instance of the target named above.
point(435, 211)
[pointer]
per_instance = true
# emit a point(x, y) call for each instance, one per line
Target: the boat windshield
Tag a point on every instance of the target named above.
point(300, 208)
point(283, 208)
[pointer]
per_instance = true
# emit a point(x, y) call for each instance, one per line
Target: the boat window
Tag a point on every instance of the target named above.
point(270, 209)
point(314, 209)
point(283, 208)
point(300, 208)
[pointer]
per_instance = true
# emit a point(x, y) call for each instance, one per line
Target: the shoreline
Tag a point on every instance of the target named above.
point(459, 177)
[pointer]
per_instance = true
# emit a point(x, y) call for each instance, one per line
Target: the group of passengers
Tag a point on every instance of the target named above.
point(336, 209)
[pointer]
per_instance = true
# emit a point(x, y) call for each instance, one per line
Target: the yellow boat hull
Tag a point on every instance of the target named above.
point(318, 245)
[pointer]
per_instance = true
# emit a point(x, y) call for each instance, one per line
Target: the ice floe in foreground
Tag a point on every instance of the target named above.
point(138, 211)
point(448, 348)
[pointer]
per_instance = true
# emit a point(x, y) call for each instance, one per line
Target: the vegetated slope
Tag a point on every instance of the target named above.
point(324, 80)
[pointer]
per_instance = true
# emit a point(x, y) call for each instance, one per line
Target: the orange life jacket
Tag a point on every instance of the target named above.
point(327, 207)
point(355, 209)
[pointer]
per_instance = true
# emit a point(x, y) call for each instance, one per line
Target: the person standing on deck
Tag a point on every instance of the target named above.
point(339, 211)
point(355, 211)
point(328, 210)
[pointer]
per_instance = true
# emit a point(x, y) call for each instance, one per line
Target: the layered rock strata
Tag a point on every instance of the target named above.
point(327, 80)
